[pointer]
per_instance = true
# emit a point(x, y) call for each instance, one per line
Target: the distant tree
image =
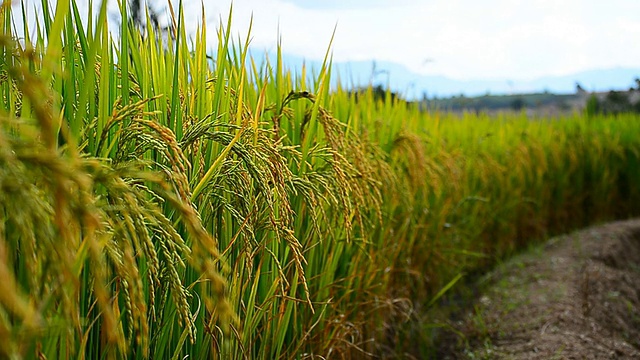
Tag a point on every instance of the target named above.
point(135, 6)
point(593, 106)
point(424, 103)
point(379, 93)
point(579, 89)
point(138, 18)
point(517, 104)
point(617, 102)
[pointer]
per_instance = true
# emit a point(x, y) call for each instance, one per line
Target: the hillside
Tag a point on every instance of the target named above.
point(413, 85)
point(540, 104)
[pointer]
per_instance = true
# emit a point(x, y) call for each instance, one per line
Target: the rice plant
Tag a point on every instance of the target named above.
point(156, 204)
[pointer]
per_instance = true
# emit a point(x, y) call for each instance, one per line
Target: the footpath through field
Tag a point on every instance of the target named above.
point(577, 297)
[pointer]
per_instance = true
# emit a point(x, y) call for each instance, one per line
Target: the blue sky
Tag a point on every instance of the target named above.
point(460, 39)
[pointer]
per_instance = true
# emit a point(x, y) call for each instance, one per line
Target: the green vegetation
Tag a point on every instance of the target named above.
point(614, 102)
point(516, 102)
point(543, 104)
point(153, 205)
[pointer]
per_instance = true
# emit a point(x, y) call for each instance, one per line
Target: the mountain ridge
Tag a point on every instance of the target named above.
point(411, 85)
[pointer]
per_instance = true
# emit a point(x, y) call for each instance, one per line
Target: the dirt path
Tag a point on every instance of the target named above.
point(577, 297)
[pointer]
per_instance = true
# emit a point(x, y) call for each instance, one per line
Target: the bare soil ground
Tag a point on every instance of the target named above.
point(576, 297)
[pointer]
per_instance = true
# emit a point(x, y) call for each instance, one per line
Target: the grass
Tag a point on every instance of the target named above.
point(158, 205)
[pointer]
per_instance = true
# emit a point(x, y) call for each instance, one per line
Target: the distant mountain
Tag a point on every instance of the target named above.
point(413, 85)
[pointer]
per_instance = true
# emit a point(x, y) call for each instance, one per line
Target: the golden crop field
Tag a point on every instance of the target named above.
point(155, 204)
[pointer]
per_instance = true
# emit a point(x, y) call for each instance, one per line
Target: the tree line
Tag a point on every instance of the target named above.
point(614, 102)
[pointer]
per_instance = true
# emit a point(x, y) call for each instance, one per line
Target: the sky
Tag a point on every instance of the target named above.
point(459, 39)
